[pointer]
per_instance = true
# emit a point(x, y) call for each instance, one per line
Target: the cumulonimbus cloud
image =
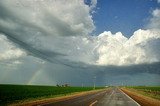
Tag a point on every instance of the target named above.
point(53, 31)
point(118, 50)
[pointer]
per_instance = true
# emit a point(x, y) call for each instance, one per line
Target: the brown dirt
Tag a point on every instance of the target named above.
point(141, 99)
point(55, 99)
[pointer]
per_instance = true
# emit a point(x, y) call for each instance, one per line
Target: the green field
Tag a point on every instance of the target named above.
point(146, 88)
point(151, 91)
point(16, 93)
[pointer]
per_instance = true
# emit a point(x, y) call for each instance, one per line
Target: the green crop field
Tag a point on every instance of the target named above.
point(146, 88)
point(15, 93)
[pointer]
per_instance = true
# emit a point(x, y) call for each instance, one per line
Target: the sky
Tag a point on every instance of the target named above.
point(126, 17)
point(80, 41)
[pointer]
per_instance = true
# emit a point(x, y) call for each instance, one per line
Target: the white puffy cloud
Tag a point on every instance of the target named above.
point(141, 47)
point(118, 50)
point(8, 50)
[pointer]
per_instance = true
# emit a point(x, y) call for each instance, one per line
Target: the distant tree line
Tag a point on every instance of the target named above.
point(63, 85)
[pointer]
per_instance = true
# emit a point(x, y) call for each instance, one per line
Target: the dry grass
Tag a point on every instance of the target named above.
point(141, 99)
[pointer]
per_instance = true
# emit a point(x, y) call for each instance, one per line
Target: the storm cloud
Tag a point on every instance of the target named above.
point(45, 42)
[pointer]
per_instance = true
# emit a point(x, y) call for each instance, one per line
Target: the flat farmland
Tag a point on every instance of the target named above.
point(17, 93)
point(150, 88)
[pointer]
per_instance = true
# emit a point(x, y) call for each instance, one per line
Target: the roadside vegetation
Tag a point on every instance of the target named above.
point(17, 93)
point(151, 91)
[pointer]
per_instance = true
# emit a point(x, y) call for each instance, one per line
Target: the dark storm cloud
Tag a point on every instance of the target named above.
point(20, 29)
point(38, 53)
point(153, 68)
point(105, 75)
point(133, 74)
point(21, 23)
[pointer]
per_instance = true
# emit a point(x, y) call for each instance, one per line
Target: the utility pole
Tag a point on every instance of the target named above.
point(94, 82)
point(82, 85)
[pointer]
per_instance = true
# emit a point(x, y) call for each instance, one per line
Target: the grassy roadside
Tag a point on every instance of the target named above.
point(150, 91)
point(143, 98)
point(10, 94)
